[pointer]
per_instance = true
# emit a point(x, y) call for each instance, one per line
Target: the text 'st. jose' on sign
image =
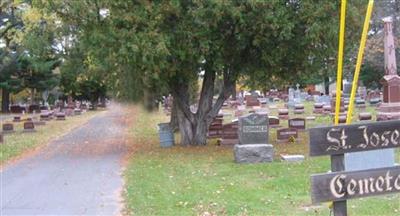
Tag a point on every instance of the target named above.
point(354, 138)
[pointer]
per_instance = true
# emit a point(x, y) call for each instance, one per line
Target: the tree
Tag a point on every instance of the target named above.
point(153, 45)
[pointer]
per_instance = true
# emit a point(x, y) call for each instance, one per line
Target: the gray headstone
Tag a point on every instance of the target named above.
point(253, 129)
point(254, 153)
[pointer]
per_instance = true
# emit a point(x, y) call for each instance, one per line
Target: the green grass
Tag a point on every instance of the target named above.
point(17, 143)
point(201, 180)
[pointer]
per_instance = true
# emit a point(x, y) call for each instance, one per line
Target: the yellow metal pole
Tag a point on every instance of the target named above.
point(359, 61)
point(340, 60)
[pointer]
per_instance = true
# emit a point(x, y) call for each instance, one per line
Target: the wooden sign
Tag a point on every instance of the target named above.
point(354, 138)
point(339, 186)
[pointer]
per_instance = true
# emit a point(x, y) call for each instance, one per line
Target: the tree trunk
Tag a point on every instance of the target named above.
point(193, 126)
point(5, 101)
point(174, 121)
point(326, 85)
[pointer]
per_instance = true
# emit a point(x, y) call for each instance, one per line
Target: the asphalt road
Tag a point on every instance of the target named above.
point(78, 174)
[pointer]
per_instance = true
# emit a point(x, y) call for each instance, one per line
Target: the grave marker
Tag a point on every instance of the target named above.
point(29, 126)
point(297, 123)
point(8, 128)
point(284, 134)
point(253, 129)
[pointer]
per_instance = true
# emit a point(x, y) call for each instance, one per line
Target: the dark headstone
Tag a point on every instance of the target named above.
point(77, 111)
point(60, 116)
point(273, 121)
point(29, 126)
point(253, 129)
point(215, 129)
point(285, 133)
point(365, 116)
point(297, 123)
point(45, 116)
point(283, 113)
point(16, 109)
point(230, 134)
point(8, 128)
point(1, 138)
point(34, 108)
point(17, 119)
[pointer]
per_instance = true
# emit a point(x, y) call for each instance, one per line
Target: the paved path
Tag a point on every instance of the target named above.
point(78, 174)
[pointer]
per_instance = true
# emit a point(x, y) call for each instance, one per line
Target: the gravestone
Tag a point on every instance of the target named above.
point(365, 116)
point(297, 123)
point(215, 129)
point(253, 153)
point(17, 119)
point(273, 121)
point(45, 116)
point(298, 109)
point(29, 126)
point(60, 116)
point(253, 129)
point(318, 108)
point(283, 113)
point(16, 109)
point(230, 133)
point(8, 128)
point(1, 138)
point(284, 134)
point(77, 111)
point(390, 108)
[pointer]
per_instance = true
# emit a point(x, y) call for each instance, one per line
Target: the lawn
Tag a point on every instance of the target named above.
point(206, 181)
point(18, 143)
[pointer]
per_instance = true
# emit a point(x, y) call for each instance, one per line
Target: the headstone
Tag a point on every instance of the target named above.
point(1, 138)
point(342, 119)
point(292, 158)
point(77, 111)
point(390, 108)
point(318, 108)
point(8, 128)
point(45, 116)
point(284, 134)
point(297, 123)
point(33, 108)
point(283, 113)
point(16, 109)
point(230, 133)
point(215, 129)
point(327, 109)
point(273, 121)
point(60, 116)
point(298, 109)
point(29, 126)
point(254, 153)
point(17, 119)
point(365, 116)
point(253, 129)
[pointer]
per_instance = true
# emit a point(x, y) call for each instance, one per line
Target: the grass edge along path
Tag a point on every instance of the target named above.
point(205, 180)
point(17, 145)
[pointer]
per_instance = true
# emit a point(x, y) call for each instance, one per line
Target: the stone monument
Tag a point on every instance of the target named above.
point(390, 108)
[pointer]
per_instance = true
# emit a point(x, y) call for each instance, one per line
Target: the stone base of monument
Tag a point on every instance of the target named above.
point(254, 153)
point(388, 111)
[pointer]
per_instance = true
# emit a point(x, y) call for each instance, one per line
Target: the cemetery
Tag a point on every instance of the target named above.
point(200, 107)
